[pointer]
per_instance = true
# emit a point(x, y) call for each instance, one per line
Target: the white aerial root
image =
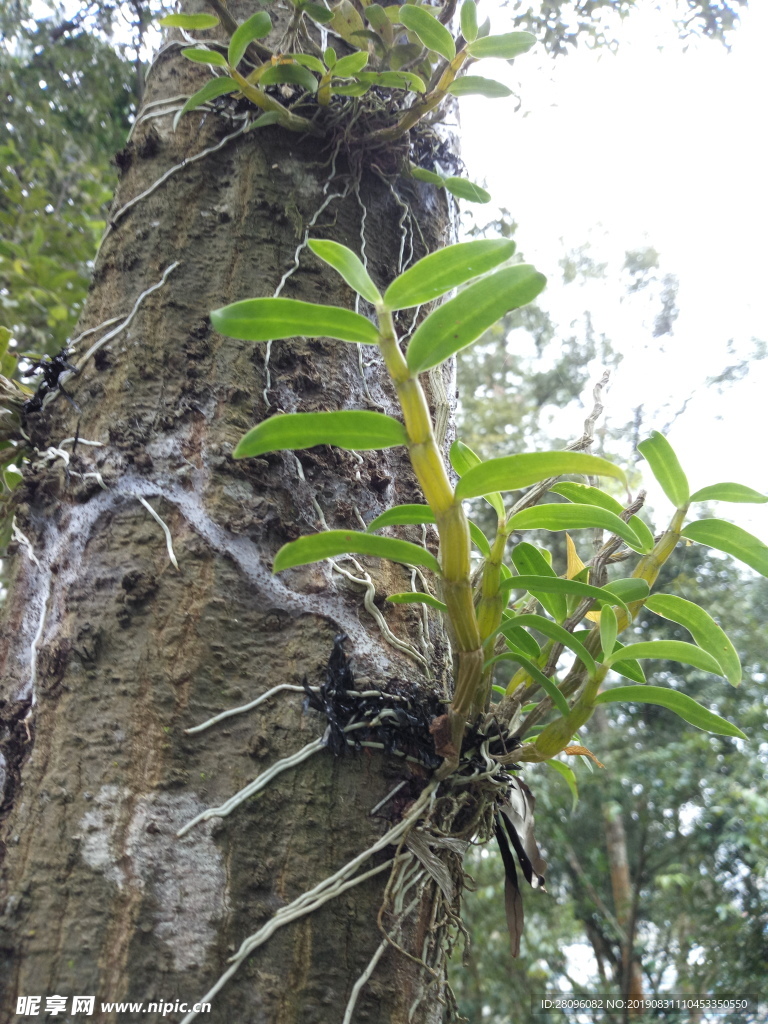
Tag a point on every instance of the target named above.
point(368, 601)
point(166, 531)
point(258, 784)
point(326, 890)
point(245, 707)
point(25, 542)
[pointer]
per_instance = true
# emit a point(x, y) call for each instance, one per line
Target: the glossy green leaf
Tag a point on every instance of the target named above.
point(464, 189)
point(463, 459)
point(519, 640)
point(346, 263)
point(629, 589)
point(202, 56)
point(583, 494)
point(529, 561)
point(475, 85)
point(569, 776)
point(462, 320)
point(549, 687)
point(507, 46)
point(717, 533)
point(608, 630)
point(469, 20)
point(555, 585)
point(440, 271)
point(572, 517)
point(256, 27)
point(356, 430)
point(329, 56)
point(666, 468)
point(415, 598)
point(272, 319)
point(422, 174)
point(308, 61)
point(402, 515)
point(349, 66)
point(479, 539)
point(668, 650)
point(686, 707)
point(317, 546)
point(730, 492)
point(703, 628)
point(630, 670)
point(290, 74)
point(265, 119)
point(396, 80)
point(429, 30)
point(213, 88)
point(355, 89)
point(513, 472)
point(318, 13)
point(552, 631)
point(191, 22)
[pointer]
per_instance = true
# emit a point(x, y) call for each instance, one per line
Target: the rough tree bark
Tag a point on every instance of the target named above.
point(109, 653)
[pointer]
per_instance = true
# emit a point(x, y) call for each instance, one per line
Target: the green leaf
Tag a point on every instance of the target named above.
point(348, 67)
point(317, 546)
point(190, 21)
point(463, 459)
point(429, 30)
point(265, 119)
point(272, 319)
point(422, 174)
point(666, 468)
point(529, 561)
point(346, 21)
point(583, 494)
point(395, 80)
point(566, 773)
point(686, 707)
point(317, 13)
point(215, 87)
point(256, 27)
point(729, 492)
point(507, 46)
point(629, 589)
point(402, 515)
point(462, 320)
point(356, 89)
point(344, 262)
point(630, 669)
point(703, 628)
point(549, 629)
point(330, 57)
point(475, 85)
point(608, 630)
point(554, 585)
point(668, 650)
point(415, 598)
point(572, 517)
point(438, 273)
point(463, 189)
point(289, 74)
point(469, 20)
point(549, 687)
point(513, 472)
point(522, 642)
point(479, 539)
point(202, 56)
point(308, 61)
point(717, 533)
point(356, 430)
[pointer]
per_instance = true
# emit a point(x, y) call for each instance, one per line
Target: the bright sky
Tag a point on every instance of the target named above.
point(650, 147)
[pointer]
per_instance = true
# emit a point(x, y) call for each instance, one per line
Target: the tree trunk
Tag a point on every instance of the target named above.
point(110, 653)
